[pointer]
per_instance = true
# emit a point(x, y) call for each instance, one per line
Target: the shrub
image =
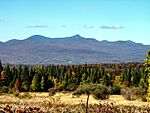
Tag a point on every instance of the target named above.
point(143, 98)
point(97, 90)
point(10, 91)
point(84, 89)
point(115, 90)
point(60, 87)
point(25, 95)
point(16, 93)
point(101, 92)
point(51, 91)
point(71, 87)
point(132, 93)
point(4, 89)
point(138, 91)
point(126, 93)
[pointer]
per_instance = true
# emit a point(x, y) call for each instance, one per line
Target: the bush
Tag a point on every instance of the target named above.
point(138, 91)
point(10, 91)
point(84, 89)
point(51, 91)
point(126, 93)
point(143, 98)
point(97, 90)
point(101, 92)
point(115, 90)
point(132, 93)
point(60, 87)
point(71, 87)
point(4, 89)
point(16, 93)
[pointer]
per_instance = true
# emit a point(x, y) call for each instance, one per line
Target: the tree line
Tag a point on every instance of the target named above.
point(27, 78)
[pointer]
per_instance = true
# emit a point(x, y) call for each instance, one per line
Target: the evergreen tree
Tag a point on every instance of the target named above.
point(136, 77)
point(106, 79)
point(142, 83)
point(25, 79)
point(36, 83)
point(84, 78)
point(79, 74)
point(94, 77)
point(144, 79)
point(9, 77)
point(25, 74)
point(147, 64)
point(19, 72)
point(127, 76)
point(31, 73)
point(15, 76)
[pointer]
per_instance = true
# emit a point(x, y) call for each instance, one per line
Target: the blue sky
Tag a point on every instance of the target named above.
point(101, 19)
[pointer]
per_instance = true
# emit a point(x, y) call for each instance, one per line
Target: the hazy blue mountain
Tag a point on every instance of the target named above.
point(70, 50)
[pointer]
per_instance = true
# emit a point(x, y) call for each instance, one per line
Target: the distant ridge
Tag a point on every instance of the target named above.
point(38, 49)
point(37, 38)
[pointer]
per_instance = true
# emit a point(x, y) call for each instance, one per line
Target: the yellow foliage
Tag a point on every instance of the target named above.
point(117, 80)
point(148, 90)
point(147, 64)
point(73, 74)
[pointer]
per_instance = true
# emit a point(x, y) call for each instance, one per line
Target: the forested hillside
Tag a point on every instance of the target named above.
point(75, 49)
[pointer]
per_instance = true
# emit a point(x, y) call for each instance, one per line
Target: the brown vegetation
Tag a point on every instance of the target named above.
point(42, 102)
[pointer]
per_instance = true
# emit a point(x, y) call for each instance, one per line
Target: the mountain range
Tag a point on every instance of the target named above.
point(76, 49)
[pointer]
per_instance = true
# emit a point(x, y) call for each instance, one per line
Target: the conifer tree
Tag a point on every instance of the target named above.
point(15, 76)
point(36, 86)
point(147, 64)
point(136, 77)
point(25, 80)
point(129, 77)
point(9, 77)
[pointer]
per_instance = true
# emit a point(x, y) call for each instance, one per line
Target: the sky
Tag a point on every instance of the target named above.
point(110, 20)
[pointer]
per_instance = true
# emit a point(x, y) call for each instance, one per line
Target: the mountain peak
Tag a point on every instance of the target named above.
point(37, 38)
point(77, 36)
point(129, 42)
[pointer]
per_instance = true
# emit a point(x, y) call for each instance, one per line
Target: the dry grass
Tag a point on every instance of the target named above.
point(44, 100)
point(64, 103)
point(66, 98)
point(119, 100)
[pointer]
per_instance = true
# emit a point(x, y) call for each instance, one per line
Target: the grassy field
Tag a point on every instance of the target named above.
point(50, 103)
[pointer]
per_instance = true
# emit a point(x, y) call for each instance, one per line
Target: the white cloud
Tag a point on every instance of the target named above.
point(117, 27)
point(113, 27)
point(37, 26)
point(87, 26)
